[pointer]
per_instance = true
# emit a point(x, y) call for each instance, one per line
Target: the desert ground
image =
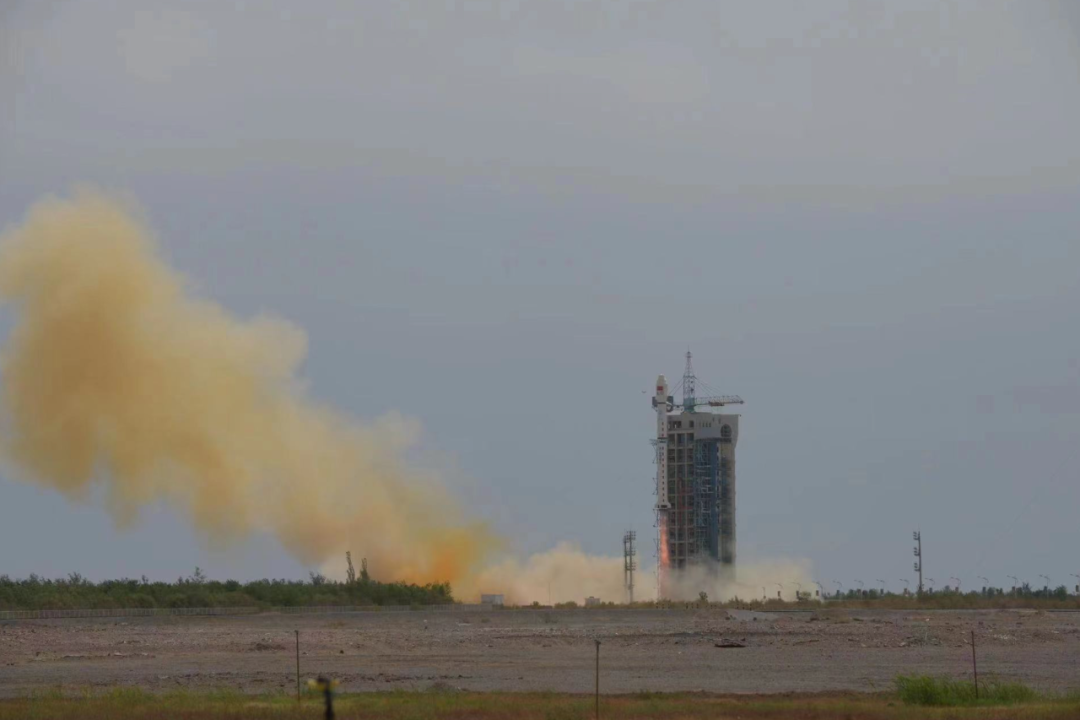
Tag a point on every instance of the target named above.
point(542, 650)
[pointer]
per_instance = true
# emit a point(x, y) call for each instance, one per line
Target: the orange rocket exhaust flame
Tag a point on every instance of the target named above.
point(665, 557)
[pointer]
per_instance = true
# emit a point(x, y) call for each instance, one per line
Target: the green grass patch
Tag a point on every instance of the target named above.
point(927, 690)
point(399, 705)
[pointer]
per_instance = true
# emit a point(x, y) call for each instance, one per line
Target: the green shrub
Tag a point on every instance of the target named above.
point(946, 692)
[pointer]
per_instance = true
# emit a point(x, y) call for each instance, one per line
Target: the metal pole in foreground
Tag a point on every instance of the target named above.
point(974, 665)
point(917, 537)
point(297, 666)
point(597, 680)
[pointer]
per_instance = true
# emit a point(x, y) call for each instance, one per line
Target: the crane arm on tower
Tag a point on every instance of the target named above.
point(719, 400)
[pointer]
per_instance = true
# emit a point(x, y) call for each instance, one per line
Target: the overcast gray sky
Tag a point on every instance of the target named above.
point(505, 219)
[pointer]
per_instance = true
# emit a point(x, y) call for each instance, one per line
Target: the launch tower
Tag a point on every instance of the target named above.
point(695, 480)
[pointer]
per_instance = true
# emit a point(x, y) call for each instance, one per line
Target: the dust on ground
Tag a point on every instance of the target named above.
point(709, 649)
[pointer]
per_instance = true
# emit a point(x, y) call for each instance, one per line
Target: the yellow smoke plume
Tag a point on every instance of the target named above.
point(116, 374)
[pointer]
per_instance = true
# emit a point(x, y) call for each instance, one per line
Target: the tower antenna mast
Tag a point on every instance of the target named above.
point(689, 384)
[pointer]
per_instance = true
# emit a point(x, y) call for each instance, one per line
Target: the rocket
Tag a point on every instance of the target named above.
point(661, 402)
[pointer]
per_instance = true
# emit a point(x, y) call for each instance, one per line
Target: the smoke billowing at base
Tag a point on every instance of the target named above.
point(565, 573)
point(116, 375)
point(749, 581)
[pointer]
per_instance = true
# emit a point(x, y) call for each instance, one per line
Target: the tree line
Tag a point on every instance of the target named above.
point(196, 590)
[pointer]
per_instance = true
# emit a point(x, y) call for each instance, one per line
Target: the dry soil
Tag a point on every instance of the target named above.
point(531, 650)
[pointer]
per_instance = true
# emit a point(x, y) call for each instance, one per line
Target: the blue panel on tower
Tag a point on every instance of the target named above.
point(707, 494)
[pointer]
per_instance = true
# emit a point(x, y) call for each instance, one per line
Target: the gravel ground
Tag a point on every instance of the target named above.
point(531, 650)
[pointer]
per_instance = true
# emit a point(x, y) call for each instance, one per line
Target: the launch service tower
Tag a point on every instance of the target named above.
point(695, 481)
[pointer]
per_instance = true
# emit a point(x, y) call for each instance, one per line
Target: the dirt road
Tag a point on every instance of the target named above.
point(527, 650)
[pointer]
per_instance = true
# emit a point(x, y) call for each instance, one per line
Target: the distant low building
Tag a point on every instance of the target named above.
point(491, 599)
point(592, 601)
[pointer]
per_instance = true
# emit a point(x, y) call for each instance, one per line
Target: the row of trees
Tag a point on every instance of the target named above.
point(76, 592)
point(1024, 591)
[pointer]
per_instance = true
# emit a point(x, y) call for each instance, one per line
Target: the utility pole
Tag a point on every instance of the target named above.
point(629, 562)
point(917, 536)
point(597, 680)
point(297, 665)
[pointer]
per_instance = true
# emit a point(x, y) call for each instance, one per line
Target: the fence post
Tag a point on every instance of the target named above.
point(597, 680)
point(974, 665)
point(297, 666)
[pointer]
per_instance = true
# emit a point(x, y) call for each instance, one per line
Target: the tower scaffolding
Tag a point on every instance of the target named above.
point(629, 562)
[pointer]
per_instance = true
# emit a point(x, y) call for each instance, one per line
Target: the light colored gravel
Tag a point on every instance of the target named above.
point(656, 650)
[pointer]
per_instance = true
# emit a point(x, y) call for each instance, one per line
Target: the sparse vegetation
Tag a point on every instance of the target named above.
point(76, 592)
point(196, 590)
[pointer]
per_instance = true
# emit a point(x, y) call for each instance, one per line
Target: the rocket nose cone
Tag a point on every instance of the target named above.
point(661, 381)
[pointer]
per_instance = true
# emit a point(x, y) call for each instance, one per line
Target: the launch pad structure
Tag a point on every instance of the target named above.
point(695, 481)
